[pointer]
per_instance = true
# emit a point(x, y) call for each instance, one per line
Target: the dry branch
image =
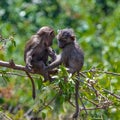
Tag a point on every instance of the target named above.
point(12, 65)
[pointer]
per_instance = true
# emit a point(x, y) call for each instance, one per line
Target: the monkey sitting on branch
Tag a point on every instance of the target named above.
point(72, 57)
point(37, 51)
point(36, 54)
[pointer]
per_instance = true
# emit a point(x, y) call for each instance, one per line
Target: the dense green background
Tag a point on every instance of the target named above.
point(97, 27)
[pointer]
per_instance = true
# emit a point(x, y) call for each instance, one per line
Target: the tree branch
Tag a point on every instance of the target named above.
point(93, 70)
point(116, 96)
point(12, 66)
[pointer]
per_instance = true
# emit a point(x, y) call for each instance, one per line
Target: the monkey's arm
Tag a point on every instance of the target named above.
point(52, 54)
point(29, 50)
point(54, 64)
point(28, 59)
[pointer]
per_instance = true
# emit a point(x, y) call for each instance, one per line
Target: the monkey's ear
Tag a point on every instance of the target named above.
point(52, 33)
point(72, 37)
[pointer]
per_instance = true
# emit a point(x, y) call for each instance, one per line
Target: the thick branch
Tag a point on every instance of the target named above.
point(13, 66)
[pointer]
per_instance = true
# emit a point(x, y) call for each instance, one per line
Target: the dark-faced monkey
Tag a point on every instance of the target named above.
point(72, 57)
point(37, 51)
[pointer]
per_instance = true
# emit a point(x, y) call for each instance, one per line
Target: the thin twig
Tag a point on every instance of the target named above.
point(99, 71)
point(47, 103)
point(117, 96)
point(100, 107)
point(91, 87)
point(13, 74)
point(83, 104)
point(17, 74)
point(71, 103)
point(112, 73)
point(91, 101)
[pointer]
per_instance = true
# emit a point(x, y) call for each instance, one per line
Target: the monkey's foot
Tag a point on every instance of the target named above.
point(29, 68)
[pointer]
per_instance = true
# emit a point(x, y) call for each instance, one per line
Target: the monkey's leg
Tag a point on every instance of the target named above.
point(39, 67)
point(75, 115)
point(46, 76)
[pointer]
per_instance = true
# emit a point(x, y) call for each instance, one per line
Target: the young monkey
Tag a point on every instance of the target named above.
point(72, 57)
point(37, 51)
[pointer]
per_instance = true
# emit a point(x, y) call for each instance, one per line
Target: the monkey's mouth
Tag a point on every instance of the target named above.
point(61, 46)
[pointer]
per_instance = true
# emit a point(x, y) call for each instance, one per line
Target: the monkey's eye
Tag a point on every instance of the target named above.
point(63, 39)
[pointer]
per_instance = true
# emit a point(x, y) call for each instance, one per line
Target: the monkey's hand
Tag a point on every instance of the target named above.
point(28, 67)
point(52, 54)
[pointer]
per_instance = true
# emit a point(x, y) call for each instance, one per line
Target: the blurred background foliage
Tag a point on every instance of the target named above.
point(97, 27)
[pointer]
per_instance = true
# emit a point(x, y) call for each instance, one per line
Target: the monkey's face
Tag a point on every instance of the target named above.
point(65, 37)
point(47, 35)
point(51, 36)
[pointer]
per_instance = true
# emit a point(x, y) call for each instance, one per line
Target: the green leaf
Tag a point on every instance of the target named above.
point(14, 43)
point(43, 115)
point(12, 40)
point(39, 83)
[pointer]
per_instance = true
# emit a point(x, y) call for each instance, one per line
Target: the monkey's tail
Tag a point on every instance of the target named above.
point(33, 85)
